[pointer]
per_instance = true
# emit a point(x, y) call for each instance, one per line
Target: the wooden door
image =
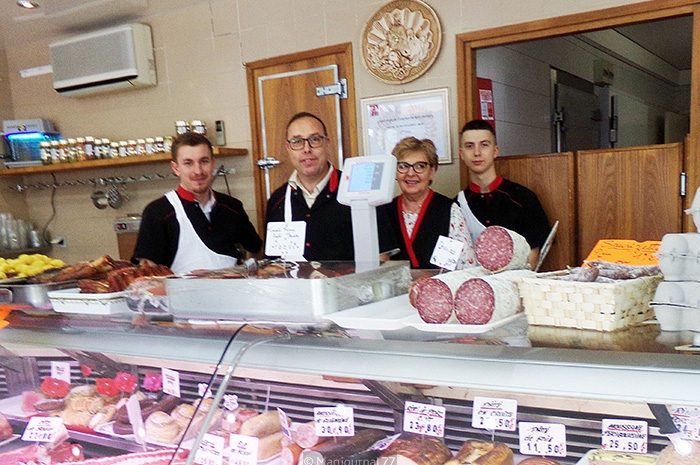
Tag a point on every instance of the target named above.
point(628, 193)
point(282, 86)
point(552, 178)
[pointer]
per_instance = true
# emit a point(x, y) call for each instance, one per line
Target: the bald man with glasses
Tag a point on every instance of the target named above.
point(310, 194)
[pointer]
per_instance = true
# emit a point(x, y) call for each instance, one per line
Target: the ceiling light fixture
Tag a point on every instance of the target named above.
point(27, 4)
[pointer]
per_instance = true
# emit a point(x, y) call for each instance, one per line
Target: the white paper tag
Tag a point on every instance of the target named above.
point(424, 419)
point(171, 382)
point(133, 410)
point(285, 239)
point(44, 429)
point(230, 401)
point(495, 414)
point(334, 421)
point(243, 450)
point(284, 422)
point(382, 444)
point(545, 439)
point(446, 253)
point(687, 420)
point(61, 370)
point(203, 390)
point(211, 450)
point(625, 435)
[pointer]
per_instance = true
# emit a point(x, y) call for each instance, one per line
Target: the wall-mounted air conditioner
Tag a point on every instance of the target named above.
point(106, 60)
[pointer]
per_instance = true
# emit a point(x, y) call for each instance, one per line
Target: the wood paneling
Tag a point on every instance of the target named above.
point(552, 178)
point(628, 193)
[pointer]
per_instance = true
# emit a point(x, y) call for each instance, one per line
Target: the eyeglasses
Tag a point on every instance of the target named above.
point(315, 141)
point(419, 166)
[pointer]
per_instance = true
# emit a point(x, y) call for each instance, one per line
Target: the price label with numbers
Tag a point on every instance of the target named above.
point(687, 420)
point(44, 429)
point(211, 450)
point(243, 450)
point(61, 370)
point(424, 419)
point(334, 421)
point(285, 239)
point(545, 439)
point(446, 253)
point(171, 382)
point(625, 435)
point(495, 414)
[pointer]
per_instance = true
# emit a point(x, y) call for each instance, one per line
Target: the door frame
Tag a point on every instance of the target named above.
point(469, 42)
point(347, 109)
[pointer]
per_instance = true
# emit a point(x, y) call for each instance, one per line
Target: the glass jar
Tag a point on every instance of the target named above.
point(167, 143)
point(150, 146)
point(123, 148)
point(55, 152)
point(106, 149)
point(181, 127)
point(159, 145)
point(131, 148)
point(198, 126)
point(80, 149)
point(140, 146)
point(89, 148)
point(113, 150)
point(63, 150)
point(45, 152)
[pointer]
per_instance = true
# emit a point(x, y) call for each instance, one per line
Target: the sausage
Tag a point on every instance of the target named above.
point(483, 453)
point(261, 425)
point(498, 248)
point(304, 434)
point(415, 450)
point(538, 461)
point(270, 445)
point(330, 451)
point(290, 454)
point(489, 298)
point(434, 297)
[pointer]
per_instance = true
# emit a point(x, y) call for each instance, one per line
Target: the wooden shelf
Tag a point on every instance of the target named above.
point(111, 162)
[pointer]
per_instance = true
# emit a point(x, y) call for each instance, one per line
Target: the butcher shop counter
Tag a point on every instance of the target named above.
point(568, 376)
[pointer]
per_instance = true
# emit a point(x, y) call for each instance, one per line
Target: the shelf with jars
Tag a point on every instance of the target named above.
point(111, 162)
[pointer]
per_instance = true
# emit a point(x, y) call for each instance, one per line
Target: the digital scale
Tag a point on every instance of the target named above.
point(366, 183)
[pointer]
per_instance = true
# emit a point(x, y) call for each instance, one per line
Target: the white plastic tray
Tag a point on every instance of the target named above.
point(72, 301)
point(584, 459)
point(12, 407)
point(396, 313)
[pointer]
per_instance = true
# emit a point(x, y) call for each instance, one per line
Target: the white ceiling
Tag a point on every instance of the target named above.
point(668, 39)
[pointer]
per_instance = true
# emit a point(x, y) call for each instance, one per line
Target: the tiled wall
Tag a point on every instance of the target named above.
point(201, 49)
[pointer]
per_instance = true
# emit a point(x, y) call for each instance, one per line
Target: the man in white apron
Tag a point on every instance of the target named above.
point(194, 227)
point(489, 199)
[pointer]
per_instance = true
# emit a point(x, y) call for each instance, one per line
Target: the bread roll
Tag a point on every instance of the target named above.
point(161, 427)
point(483, 453)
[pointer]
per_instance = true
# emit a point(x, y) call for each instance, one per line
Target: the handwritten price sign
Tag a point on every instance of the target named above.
point(545, 439)
point(211, 450)
point(243, 450)
point(494, 414)
point(624, 435)
point(334, 421)
point(43, 429)
point(424, 419)
point(687, 420)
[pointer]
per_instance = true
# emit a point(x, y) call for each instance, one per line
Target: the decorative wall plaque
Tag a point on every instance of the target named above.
point(401, 41)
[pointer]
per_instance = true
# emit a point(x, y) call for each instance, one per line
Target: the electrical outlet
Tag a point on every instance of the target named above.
point(58, 242)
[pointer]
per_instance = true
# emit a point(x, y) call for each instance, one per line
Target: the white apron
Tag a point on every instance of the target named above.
point(192, 253)
point(474, 226)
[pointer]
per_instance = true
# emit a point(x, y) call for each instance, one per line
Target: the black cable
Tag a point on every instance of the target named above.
point(209, 385)
point(44, 230)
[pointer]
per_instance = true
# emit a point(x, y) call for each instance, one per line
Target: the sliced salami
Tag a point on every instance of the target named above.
point(498, 248)
point(479, 301)
point(433, 297)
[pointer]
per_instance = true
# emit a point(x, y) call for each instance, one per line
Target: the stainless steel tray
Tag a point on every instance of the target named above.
point(284, 300)
point(35, 296)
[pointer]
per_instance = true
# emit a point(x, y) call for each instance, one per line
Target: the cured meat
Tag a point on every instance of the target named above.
point(415, 450)
point(155, 457)
point(270, 445)
point(290, 454)
point(261, 425)
point(330, 452)
point(484, 453)
point(29, 400)
point(304, 434)
point(434, 297)
point(5, 428)
point(538, 461)
point(489, 298)
point(498, 249)
point(611, 457)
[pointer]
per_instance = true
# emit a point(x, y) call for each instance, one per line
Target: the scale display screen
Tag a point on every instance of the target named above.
point(366, 177)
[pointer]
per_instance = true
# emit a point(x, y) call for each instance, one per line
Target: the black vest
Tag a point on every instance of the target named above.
point(435, 223)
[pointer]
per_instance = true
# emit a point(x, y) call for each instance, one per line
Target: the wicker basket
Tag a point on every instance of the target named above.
point(598, 306)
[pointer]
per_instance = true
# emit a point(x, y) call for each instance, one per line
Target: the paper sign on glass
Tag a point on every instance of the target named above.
point(545, 439)
point(211, 450)
point(446, 253)
point(61, 370)
point(687, 420)
point(494, 414)
point(171, 382)
point(243, 450)
point(44, 429)
point(625, 435)
point(285, 239)
point(424, 419)
point(334, 421)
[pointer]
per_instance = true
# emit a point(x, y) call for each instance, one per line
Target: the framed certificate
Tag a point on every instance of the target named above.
point(424, 115)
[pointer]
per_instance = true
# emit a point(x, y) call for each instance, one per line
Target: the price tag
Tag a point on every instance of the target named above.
point(687, 420)
point(171, 382)
point(334, 421)
point(61, 370)
point(625, 435)
point(211, 450)
point(230, 401)
point(545, 439)
point(44, 429)
point(284, 422)
point(384, 443)
point(285, 239)
point(203, 390)
point(243, 450)
point(424, 419)
point(133, 410)
point(446, 253)
point(495, 414)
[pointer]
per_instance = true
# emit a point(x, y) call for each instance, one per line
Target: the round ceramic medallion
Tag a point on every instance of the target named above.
point(401, 41)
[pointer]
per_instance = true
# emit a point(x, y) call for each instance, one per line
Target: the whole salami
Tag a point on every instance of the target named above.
point(498, 249)
point(479, 301)
point(433, 297)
